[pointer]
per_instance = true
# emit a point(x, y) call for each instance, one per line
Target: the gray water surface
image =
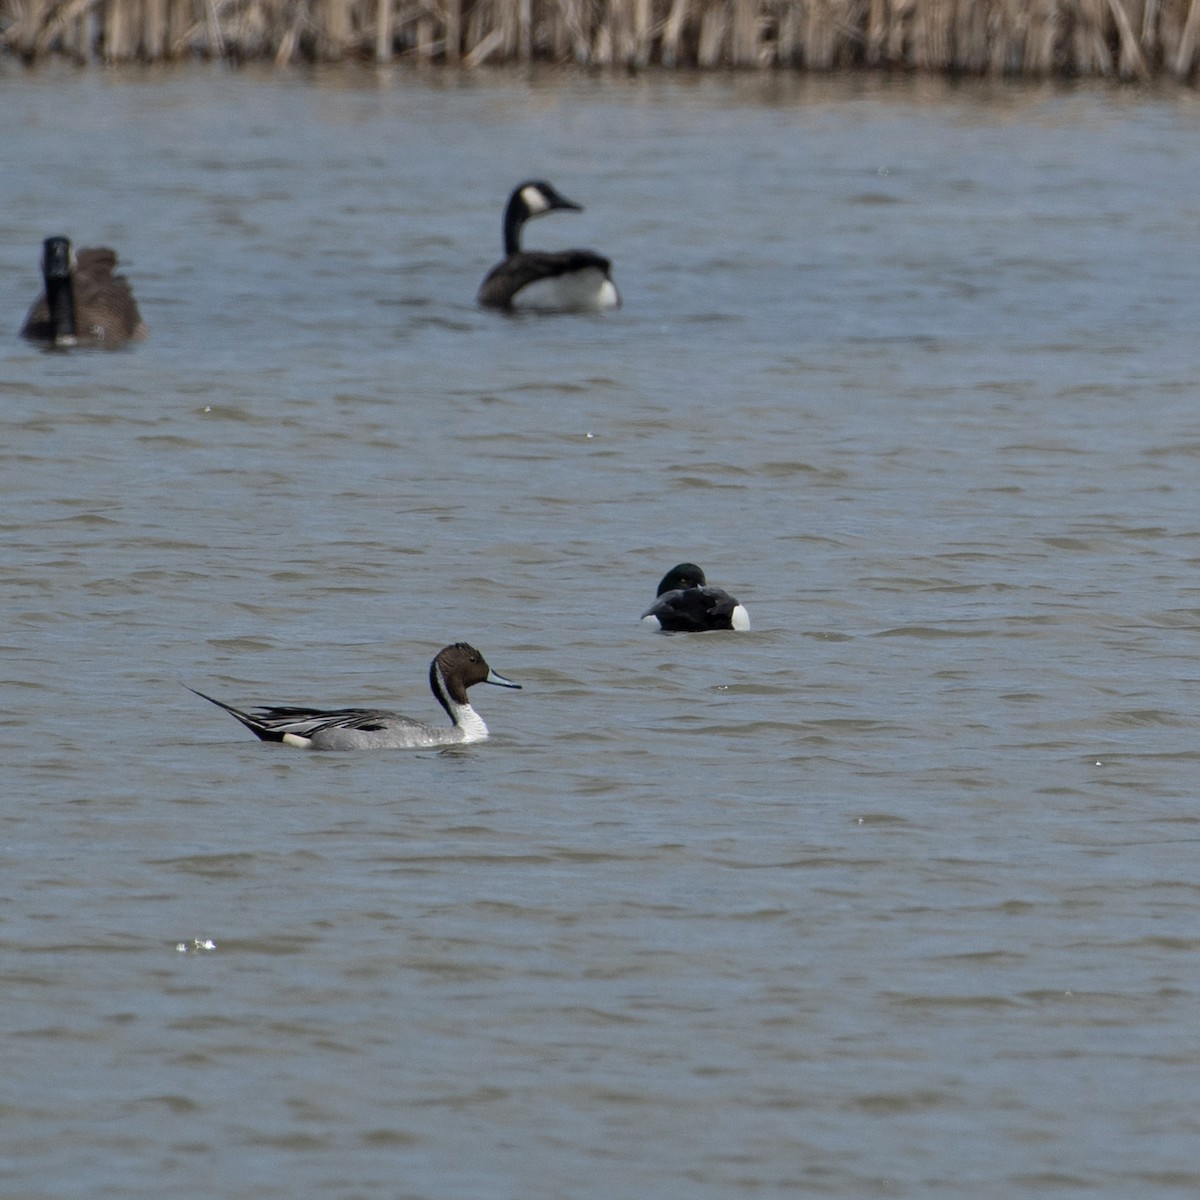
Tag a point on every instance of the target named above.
point(895, 895)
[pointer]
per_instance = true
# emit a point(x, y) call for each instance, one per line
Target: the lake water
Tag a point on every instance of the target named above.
point(894, 896)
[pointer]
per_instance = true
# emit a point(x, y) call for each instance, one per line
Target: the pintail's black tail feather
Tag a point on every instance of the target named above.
point(256, 727)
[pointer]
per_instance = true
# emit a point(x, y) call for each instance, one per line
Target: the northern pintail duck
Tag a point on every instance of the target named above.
point(562, 281)
point(686, 604)
point(83, 302)
point(455, 669)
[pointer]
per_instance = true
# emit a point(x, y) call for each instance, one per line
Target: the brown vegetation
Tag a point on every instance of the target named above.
point(1130, 39)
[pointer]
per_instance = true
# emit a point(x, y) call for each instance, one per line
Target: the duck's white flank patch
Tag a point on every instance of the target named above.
point(294, 739)
point(740, 618)
point(608, 296)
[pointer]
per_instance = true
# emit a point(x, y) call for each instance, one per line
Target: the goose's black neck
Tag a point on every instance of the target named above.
point(60, 294)
point(60, 299)
point(514, 217)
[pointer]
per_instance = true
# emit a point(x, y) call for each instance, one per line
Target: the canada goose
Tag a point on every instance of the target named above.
point(84, 302)
point(559, 281)
point(686, 604)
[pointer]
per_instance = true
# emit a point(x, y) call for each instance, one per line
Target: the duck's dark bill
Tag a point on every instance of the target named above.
point(500, 681)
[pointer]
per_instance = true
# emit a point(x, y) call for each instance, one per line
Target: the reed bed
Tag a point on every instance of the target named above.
point(1127, 39)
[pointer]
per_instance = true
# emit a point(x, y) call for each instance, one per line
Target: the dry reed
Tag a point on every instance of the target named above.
point(1127, 39)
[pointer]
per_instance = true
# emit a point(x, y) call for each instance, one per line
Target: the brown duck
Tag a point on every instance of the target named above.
point(84, 302)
